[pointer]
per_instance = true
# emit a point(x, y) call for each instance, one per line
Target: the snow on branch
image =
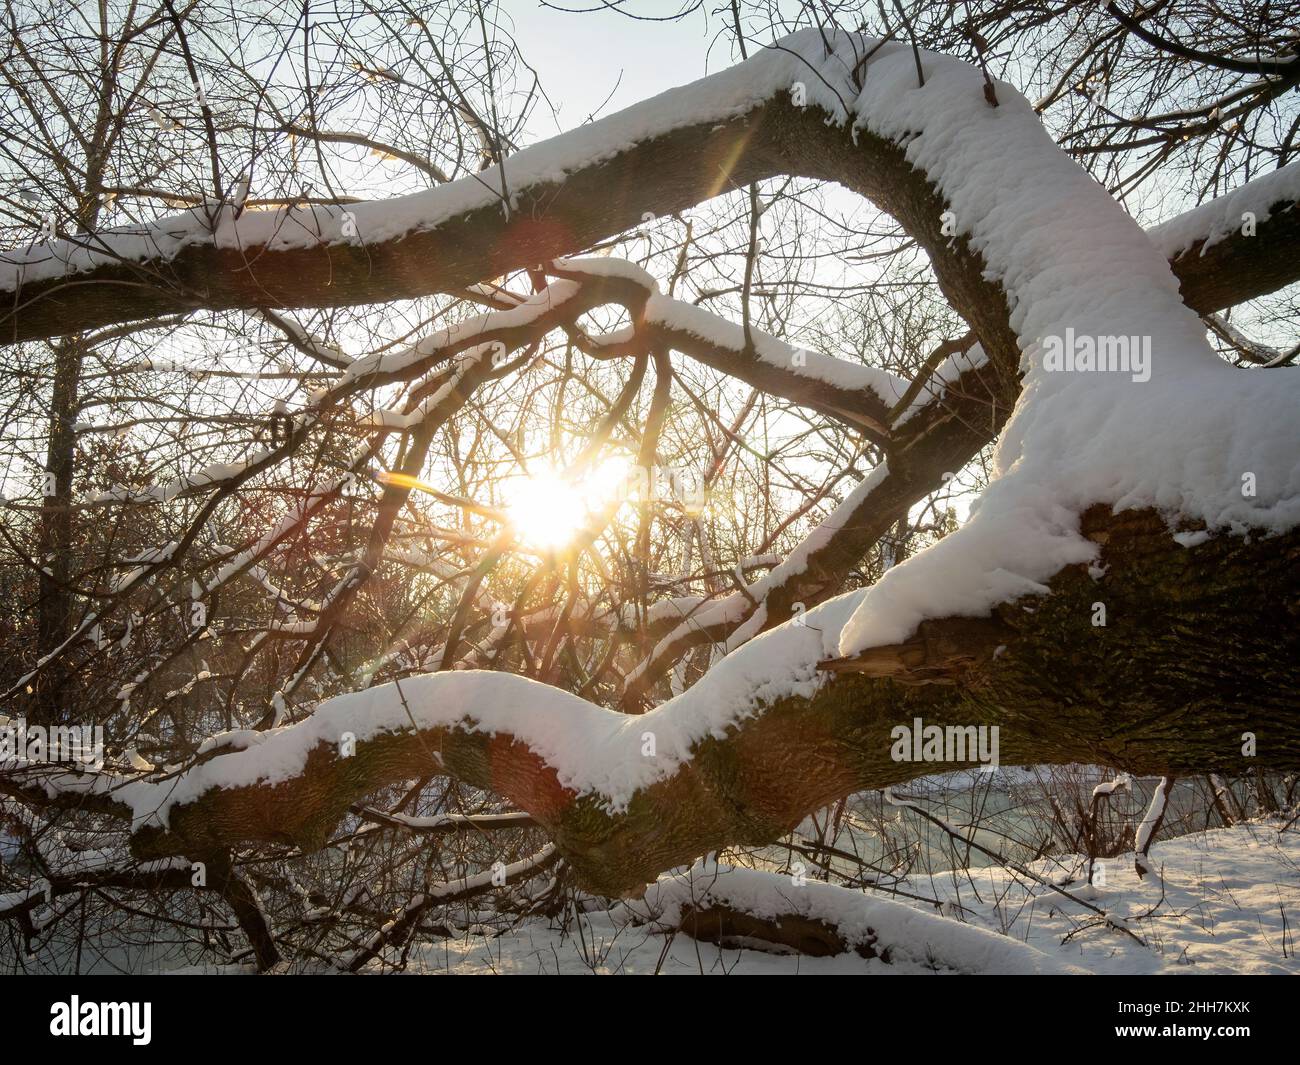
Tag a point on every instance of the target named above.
point(1078, 274)
point(892, 931)
point(1242, 209)
point(379, 243)
point(592, 750)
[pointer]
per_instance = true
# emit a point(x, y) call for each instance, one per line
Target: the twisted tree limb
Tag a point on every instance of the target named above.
point(1200, 647)
point(1158, 690)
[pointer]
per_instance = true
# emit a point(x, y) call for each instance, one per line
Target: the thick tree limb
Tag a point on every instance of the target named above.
point(265, 261)
point(1201, 647)
point(1158, 690)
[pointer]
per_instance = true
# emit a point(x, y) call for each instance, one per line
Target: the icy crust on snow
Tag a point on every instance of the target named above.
point(909, 934)
point(594, 751)
point(1224, 216)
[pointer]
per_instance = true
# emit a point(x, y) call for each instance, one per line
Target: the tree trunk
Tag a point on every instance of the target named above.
point(56, 526)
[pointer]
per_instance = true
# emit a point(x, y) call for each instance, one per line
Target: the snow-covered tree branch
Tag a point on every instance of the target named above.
point(549, 521)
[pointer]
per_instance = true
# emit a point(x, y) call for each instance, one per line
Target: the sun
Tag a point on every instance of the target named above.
point(549, 509)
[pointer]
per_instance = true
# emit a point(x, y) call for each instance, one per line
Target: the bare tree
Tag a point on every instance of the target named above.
point(544, 523)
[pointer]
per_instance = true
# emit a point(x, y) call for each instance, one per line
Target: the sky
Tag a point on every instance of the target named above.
point(601, 61)
point(593, 61)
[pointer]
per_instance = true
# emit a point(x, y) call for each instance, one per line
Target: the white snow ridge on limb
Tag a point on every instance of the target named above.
point(1070, 259)
point(594, 750)
point(1211, 222)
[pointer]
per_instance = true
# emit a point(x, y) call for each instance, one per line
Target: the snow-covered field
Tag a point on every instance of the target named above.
point(1229, 903)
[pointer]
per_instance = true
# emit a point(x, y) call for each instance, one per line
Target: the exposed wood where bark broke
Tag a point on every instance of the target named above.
point(788, 933)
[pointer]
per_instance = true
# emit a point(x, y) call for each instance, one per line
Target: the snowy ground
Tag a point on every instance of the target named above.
point(1229, 903)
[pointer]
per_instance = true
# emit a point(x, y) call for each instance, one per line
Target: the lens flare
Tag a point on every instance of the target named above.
point(405, 480)
point(549, 510)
